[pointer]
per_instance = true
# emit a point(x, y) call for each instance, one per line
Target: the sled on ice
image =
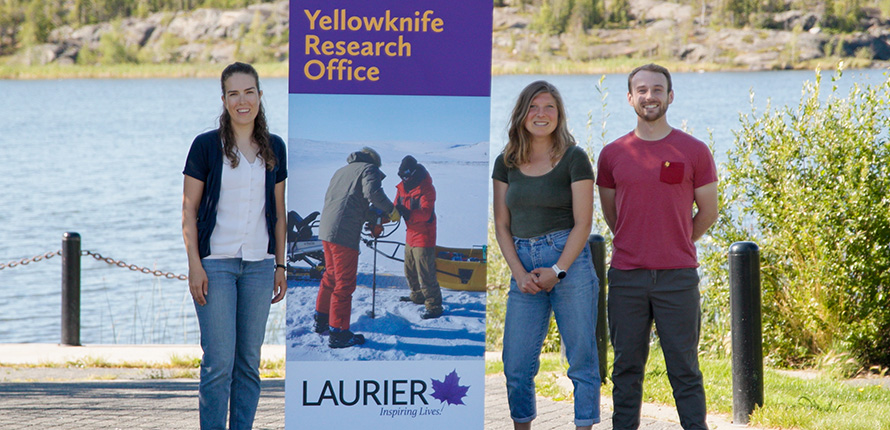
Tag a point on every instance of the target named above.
point(462, 269)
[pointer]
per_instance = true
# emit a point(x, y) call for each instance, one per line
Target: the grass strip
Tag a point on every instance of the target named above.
point(790, 402)
point(280, 69)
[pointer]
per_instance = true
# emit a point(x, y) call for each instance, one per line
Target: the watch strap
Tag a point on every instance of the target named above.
point(560, 274)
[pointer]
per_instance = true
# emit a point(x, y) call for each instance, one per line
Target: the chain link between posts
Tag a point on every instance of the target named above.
point(27, 261)
point(98, 257)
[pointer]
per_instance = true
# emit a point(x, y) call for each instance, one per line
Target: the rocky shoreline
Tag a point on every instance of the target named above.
point(662, 31)
point(675, 32)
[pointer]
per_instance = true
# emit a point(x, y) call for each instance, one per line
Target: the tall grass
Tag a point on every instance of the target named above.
point(156, 315)
point(790, 402)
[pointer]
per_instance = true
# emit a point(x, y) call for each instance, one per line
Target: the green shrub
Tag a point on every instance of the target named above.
point(586, 14)
point(165, 51)
point(553, 16)
point(113, 49)
point(811, 186)
point(864, 53)
point(37, 25)
point(255, 46)
point(87, 56)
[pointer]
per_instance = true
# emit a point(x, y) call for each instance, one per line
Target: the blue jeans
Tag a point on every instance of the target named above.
point(574, 303)
point(233, 325)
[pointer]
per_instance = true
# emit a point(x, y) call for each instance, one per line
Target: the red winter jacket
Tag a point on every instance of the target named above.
point(420, 202)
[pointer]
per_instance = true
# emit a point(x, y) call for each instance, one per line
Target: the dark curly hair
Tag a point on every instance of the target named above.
point(260, 127)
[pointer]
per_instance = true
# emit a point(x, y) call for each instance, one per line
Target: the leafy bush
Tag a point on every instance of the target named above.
point(811, 186)
point(37, 25)
point(255, 46)
point(114, 50)
point(165, 51)
point(548, 20)
point(87, 56)
point(560, 16)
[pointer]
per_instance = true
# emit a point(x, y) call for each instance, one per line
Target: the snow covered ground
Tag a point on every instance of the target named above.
point(397, 332)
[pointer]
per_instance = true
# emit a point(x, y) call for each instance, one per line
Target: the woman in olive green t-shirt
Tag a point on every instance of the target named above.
point(543, 209)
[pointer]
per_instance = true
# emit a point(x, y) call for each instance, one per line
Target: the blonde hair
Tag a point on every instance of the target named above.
point(518, 149)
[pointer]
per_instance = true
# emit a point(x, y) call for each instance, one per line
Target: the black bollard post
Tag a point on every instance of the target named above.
point(71, 289)
point(747, 338)
point(598, 253)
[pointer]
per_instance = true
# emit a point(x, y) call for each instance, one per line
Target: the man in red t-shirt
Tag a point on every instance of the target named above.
point(649, 181)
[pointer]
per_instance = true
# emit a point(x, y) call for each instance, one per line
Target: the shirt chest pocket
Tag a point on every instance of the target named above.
point(672, 172)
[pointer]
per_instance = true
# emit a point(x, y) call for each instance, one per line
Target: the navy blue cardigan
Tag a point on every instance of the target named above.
point(204, 163)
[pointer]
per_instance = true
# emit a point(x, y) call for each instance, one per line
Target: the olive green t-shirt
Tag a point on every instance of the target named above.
point(543, 204)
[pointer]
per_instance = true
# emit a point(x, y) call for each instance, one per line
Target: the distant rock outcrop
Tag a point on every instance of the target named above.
point(203, 35)
point(664, 29)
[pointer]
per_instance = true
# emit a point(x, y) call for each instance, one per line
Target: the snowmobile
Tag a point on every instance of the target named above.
point(304, 246)
point(462, 269)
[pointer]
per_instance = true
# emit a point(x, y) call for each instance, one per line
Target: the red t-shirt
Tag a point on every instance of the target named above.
point(654, 183)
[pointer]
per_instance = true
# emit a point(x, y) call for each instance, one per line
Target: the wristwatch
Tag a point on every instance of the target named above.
point(281, 266)
point(560, 274)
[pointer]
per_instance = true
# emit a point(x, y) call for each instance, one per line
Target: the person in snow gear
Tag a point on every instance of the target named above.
point(416, 202)
point(352, 189)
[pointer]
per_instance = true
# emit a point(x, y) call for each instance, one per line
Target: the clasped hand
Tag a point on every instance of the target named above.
point(539, 279)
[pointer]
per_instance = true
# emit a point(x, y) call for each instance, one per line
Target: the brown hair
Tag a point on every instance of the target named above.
point(518, 149)
point(651, 67)
point(260, 127)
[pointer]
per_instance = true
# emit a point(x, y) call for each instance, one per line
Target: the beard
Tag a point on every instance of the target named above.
point(651, 116)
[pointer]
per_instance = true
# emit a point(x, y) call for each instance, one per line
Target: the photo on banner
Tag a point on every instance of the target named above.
point(401, 90)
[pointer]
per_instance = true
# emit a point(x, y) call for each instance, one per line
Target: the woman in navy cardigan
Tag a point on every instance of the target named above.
point(233, 226)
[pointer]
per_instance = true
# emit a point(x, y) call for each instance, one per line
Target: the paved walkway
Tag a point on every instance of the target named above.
point(72, 398)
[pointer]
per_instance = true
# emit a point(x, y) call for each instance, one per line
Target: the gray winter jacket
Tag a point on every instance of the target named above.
point(352, 189)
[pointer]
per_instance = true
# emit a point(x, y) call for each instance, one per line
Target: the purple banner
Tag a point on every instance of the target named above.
point(392, 47)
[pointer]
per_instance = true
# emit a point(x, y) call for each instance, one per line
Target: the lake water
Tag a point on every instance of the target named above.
point(104, 158)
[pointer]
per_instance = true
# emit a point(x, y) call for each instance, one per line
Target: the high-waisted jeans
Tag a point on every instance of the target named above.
point(574, 303)
point(233, 325)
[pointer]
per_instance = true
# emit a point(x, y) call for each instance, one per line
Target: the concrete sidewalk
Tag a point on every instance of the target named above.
point(100, 398)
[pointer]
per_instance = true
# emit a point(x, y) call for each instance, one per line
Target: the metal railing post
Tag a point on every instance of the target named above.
point(71, 289)
point(598, 254)
point(747, 337)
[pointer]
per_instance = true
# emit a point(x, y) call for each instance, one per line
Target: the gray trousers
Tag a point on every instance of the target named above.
point(420, 271)
point(671, 299)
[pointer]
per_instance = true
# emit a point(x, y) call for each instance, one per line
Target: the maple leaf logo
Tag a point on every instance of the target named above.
point(449, 390)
